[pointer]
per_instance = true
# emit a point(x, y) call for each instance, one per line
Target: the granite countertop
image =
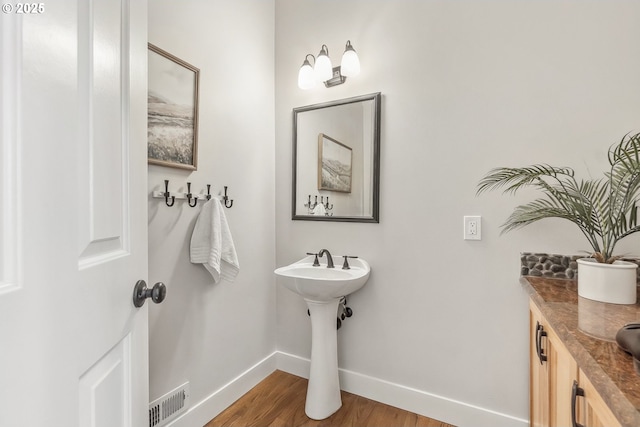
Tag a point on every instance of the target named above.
point(588, 328)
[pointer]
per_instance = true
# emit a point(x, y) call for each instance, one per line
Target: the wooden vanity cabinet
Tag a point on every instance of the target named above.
point(553, 373)
point(594, 412)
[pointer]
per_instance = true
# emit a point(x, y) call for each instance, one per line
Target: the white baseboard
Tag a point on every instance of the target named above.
point(205, 410)
point(420, 402)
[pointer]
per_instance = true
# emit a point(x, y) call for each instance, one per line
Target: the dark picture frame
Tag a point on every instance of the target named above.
point(172, 133)
point(334, 165)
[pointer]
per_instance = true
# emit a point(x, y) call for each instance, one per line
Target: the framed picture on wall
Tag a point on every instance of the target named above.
point(334, 165)
point(172, 133)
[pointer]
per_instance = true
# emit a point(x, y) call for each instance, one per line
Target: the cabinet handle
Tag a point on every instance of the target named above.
point(540, 332)
point(575, 392)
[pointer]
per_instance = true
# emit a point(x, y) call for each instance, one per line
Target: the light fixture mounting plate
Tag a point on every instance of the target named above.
point(337, 78)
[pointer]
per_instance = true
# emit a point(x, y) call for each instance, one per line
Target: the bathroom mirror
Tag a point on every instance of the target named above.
point(336, 160)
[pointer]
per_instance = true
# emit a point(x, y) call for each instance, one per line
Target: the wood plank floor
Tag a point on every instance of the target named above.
point(278, 401)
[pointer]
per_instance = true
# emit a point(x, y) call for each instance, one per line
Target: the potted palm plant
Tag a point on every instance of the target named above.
point(603, 209)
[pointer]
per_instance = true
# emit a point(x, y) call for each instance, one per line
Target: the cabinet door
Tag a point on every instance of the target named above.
point(563, 371)
point(538, 371)
point(593, 412)
point(552, 372)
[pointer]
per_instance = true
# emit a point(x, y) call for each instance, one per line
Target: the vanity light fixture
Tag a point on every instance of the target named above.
point(306, 77)
point(324, 72)
point(350, 65)
point(323, 68)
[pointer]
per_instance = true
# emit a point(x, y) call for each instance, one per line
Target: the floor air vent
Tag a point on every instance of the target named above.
point(169, 406)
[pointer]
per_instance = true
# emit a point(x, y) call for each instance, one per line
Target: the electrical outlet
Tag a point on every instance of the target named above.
point(472, 228)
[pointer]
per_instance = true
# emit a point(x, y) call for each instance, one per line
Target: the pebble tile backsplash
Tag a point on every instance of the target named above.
point(554, 265)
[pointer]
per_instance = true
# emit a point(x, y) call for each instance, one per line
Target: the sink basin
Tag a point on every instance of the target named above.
point(322, 288)
point(322, 283)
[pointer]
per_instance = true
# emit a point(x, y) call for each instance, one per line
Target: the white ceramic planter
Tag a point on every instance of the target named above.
point(613, 283)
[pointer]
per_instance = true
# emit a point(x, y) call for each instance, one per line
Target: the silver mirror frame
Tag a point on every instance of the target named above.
point(375, 218)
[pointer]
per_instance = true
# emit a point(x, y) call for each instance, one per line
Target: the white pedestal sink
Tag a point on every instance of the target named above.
point(322, 288)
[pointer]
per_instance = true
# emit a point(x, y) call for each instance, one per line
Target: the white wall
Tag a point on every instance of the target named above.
point(467, 86)
point(345, 125)
point(203, 332)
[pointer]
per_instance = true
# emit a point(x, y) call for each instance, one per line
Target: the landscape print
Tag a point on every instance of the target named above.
point(172, 111)
point(334, 165)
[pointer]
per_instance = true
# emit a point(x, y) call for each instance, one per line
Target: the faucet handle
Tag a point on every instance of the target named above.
point(316, 263)
point(345, 265)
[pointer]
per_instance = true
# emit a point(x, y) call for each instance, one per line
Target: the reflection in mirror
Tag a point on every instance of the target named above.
point(336, 160)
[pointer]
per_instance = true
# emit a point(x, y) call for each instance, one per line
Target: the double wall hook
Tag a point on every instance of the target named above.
point(226, 199)
point(190, 196)
point(167, 194)
point(326, 205)
point(310, 205)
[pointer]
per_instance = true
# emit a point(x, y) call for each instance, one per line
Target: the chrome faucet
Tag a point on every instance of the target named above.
point(329, 257)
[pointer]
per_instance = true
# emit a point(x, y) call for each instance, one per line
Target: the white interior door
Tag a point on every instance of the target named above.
point(73, 216)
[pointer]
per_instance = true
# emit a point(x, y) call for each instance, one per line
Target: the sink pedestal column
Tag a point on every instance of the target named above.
point(323, 392)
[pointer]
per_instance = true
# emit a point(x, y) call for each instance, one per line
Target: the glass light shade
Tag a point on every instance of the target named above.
point(306, 76)
point(350, 65)
point(323, 68)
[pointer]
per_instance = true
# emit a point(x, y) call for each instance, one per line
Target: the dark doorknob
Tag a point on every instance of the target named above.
point(141, 293)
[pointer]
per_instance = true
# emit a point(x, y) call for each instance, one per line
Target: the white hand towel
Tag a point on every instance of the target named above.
point(319, 210)
point(212, 244)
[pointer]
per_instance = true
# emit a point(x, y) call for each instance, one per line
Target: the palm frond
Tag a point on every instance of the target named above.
point(516, 178)
point(604, 210)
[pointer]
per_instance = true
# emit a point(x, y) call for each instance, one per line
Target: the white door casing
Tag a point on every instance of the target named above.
point(73, 217)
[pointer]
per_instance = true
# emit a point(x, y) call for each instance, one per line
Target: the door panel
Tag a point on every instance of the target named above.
point(539, 371)
point(592, 409)
point(9, 231)
point(563, 370)
point(104, 131)
point(73, 221)
point(104, 390)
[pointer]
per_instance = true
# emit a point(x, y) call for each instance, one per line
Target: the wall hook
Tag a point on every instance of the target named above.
point(311, 206)
point(190, 196)
point(167, 194)
point(326, 205)
point(208, 191)
point(226, 199)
